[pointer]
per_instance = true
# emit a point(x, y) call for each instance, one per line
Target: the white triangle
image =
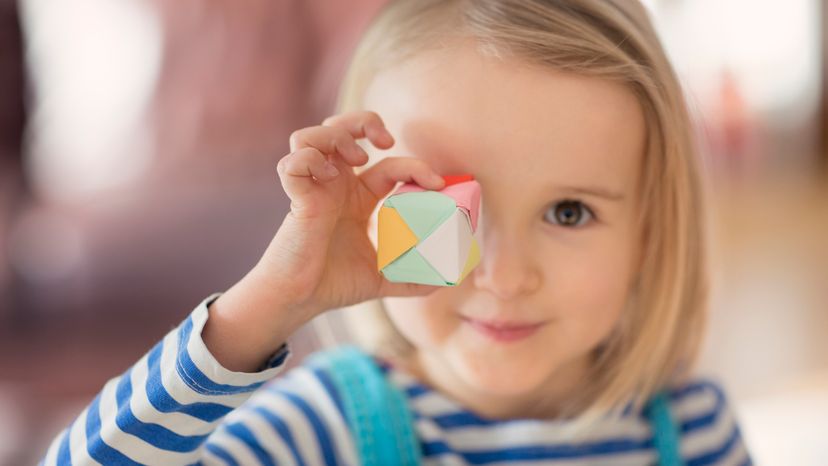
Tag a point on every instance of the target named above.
point(447, 248)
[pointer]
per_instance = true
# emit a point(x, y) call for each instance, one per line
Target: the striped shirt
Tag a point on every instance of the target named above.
point(178, 406)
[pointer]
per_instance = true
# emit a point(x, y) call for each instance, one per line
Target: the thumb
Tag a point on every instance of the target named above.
point(390, 289)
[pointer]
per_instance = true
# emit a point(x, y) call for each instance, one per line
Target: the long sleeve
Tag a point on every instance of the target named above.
point(163, 409)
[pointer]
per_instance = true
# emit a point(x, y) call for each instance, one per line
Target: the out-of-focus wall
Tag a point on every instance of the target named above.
point(151, 153)
point(147, 181)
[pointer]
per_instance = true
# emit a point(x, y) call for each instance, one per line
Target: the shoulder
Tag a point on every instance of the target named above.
point(297, 416)
point(707, 422)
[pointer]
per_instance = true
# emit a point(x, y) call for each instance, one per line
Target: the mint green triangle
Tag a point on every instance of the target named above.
point(413, 268)
point(423, 211)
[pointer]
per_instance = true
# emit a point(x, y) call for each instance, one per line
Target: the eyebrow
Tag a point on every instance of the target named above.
point(594, 191)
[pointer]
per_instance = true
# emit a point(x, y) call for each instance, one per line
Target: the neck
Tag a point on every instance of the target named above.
point(547, 401)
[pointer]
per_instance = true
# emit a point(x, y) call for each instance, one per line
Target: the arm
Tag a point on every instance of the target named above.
point(163, 408)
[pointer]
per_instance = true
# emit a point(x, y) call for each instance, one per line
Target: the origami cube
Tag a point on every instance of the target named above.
point(426, 236)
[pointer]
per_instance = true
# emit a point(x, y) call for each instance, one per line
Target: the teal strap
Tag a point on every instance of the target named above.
point(381, 424)
point(383, 428)
point(665, 431)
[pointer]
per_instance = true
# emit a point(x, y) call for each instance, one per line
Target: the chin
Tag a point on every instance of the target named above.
point(501, 375)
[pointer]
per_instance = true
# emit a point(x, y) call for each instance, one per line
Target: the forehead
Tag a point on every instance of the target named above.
point(506, 120)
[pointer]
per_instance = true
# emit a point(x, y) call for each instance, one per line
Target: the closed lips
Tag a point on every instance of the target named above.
point(501, 325)
point(503, 330)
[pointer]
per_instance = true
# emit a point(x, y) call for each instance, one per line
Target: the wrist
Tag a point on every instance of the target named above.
point(250, 321)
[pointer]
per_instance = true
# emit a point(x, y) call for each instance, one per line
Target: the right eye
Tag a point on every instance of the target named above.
point(569, 213)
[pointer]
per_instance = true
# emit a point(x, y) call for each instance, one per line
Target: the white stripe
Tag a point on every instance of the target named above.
point(209, 365)
point(710, 438)
point(237, 449)
point(300, 428)
point(77, 441)
point(315, 394)
point(178, 388)
point(51, 455)
point(694, 405)
point(434, 404)
point(128, 444)
point(208, 458)
point(530, 433)
point(180, 423)
point(430, 431)
point(445, 459)
point(737, 455)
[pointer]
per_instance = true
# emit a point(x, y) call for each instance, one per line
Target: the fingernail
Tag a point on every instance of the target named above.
point(331, 170)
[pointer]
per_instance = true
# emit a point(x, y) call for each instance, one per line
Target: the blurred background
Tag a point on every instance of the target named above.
point(138, 149)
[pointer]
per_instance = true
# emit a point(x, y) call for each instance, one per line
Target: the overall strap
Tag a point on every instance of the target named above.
point(665, 431)
point(377, 413)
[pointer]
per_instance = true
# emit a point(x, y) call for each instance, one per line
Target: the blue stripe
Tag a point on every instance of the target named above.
point(435, 448)
point(464, 419)
point(221, 453)
point(283, 431)
point(677, 394)
point(95, 445)
point(714, 456)
point(64, 455)
point(415, 391)
point(165, 403)
point(247, 437)
point(707, 419)
point(325, 443)
point(154, 434)
point(193, 376)
point(537, 452)
point(326, 381)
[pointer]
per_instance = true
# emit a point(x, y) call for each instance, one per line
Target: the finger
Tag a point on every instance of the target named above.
point(329, 140)
point(363, 124)
point(381, 178)
point(298, 169)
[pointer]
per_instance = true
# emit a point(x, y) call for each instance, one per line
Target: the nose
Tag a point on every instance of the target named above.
point(507, 267)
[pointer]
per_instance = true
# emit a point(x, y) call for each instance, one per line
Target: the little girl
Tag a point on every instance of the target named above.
point(572, 341)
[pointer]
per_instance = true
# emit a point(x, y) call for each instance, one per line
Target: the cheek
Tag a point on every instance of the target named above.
point(593, 291)
point(424, 321)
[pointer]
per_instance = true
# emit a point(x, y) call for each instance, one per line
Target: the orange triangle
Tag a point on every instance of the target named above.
point(395, 238)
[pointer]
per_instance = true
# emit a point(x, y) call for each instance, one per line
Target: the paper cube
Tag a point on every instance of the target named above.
point(426, 236)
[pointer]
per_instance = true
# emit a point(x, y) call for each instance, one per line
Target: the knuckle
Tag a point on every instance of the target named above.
point(342, 134)
point(295, 137)
point(372, 117)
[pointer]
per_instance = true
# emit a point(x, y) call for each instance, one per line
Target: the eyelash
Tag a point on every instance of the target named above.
point(587, 214)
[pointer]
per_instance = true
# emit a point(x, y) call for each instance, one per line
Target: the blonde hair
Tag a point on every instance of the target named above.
point(658, 336)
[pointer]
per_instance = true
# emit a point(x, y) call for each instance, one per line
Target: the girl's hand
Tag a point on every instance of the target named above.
point(322, 256)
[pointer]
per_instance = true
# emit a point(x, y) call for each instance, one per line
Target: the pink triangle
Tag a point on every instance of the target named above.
point(466, 194)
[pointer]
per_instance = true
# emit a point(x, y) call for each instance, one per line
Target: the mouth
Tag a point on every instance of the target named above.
point(502, 331)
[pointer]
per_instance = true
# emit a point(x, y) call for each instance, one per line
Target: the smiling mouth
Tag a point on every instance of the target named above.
point(502, 332)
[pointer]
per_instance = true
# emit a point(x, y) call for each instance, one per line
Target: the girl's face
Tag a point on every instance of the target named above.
point(557, 156)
